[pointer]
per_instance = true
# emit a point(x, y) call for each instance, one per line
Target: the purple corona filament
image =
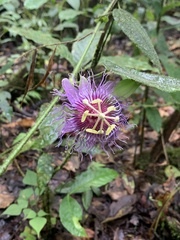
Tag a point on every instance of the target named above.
point(92, 114)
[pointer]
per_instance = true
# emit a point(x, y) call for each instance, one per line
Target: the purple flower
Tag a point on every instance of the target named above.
point(92, 114)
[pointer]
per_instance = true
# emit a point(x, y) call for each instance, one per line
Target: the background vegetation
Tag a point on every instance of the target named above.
point(48, 192)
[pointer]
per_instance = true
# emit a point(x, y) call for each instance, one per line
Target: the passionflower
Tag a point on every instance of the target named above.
point(91, 113)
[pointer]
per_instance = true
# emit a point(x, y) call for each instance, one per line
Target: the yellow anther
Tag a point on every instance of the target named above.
point(110, 129)
point(90, 130)
point(84, 116)
point(111, 108)
point(98, 100)
point(100, 132)
point(116, 119)
point(85, 101)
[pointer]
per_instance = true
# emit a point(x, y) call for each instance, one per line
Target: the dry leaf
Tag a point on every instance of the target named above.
point(5, 198)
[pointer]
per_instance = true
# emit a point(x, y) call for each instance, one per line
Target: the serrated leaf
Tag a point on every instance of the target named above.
point(34, 4)
point(164, 83)
point(74, 3)
point(29, 213)
point(37, 224)
point(70, 213)
point(154, 118)
point(93, 177)
point(125, 88)
point(44, 171)
point(134, 30)
point(13, 210)
point(30, 178)
point(79, 47)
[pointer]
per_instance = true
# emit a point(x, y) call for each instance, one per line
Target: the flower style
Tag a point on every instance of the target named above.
point(92, 114)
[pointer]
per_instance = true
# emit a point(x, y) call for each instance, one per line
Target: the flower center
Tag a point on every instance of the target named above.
point(101, 117)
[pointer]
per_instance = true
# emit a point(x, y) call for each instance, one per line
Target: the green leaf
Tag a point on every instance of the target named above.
point(34, 4)
point(125, 88)
point(37, 224)
point(27, 235)
point(74, 3)
point(70, 213)
point(5, 67)
point(30, 178)
point(29, 213)
point(23, 203)
point(44, 38)
point(79, 47)
point(87, 199)
point(44, 171)
point(172, 171)
point(4, 104)
point(64, 187)
point(4, 1)
point(130, 62)
point(176, 96)
point(164, 83)
point(171, 67)
point(26, 193)
point(95, 176)
point(69, 14)
point(3, 83)
point(169, 6)
point(49, 126)
point(154, 118)
point(134, 30)
point(13, 210)
point(41, 213)
point(19, 137)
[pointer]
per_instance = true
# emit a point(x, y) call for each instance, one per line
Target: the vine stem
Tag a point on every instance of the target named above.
point(19, 147)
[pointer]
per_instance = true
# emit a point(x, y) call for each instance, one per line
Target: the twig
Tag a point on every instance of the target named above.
point(143, 121)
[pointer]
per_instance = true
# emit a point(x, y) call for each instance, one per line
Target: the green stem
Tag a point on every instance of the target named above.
point(78, 66)
point(19, 147)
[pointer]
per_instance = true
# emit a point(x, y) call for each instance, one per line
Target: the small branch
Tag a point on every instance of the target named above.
point(143, 121)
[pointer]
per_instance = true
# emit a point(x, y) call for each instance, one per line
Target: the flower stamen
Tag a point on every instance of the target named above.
point(110, 129)
point(84, 116)
point(100, 116)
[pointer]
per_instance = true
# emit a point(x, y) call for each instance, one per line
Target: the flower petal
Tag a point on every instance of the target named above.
point(70, 90)
point(85, 88)
point(108, 87)
point(69, 126)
